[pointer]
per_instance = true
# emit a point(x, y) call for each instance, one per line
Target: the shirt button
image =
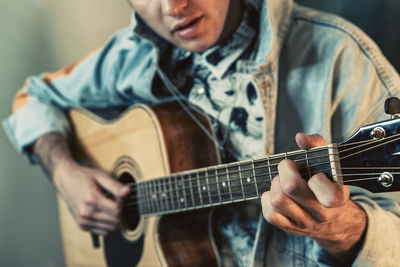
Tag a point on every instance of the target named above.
point(200, 91)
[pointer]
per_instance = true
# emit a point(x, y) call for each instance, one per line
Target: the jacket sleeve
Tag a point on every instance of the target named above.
point(102, 79)
point(381, 244)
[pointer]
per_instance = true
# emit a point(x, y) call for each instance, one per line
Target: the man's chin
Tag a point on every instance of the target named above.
point(194, 46)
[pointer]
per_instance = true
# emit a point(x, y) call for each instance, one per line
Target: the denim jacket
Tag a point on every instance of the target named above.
point(316, 73)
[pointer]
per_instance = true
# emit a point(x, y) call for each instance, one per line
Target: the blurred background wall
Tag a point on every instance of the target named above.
point(45, 35)
point(37, 36)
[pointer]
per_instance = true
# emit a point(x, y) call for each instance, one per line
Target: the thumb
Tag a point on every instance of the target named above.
point(305, 141)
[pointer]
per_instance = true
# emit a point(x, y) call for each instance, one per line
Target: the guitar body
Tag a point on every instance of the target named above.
point(141, 144)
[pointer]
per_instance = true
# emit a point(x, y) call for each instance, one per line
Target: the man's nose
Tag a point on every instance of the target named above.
point(173, 7)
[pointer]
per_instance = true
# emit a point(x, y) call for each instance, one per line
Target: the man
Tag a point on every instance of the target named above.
point(262, 70)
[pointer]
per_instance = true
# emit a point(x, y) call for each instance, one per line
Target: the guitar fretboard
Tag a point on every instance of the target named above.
point(228, 183)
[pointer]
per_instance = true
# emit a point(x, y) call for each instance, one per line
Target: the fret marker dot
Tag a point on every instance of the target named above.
point(154, 196)
point(181, 200)
point(163, 195)
point(248, 180)
point(223, 184)
point(204, 188)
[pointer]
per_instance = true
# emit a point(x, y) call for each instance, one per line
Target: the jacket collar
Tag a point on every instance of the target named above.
point(275, 19)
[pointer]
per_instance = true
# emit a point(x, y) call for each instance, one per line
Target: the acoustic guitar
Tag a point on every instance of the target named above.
point(176, 178)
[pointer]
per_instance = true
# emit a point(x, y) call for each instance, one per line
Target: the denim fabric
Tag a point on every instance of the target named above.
point(316, 73)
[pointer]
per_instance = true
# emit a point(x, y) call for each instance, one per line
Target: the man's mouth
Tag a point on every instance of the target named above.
point(187, 25)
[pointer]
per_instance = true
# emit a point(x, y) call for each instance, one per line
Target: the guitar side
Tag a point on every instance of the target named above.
point(140, 144)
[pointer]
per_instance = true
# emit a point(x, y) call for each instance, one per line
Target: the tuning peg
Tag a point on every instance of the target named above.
point(392, 107)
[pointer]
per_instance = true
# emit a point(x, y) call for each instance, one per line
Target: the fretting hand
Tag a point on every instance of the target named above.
point(317, 208)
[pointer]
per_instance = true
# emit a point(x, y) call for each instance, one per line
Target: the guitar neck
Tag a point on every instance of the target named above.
point(229, 183)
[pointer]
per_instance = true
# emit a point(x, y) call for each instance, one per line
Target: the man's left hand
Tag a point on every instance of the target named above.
point(318, 208)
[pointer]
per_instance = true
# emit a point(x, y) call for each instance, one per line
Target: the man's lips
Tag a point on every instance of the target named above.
point(185, 24)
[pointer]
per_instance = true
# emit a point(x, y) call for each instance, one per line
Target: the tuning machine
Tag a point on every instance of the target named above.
point(392, 107)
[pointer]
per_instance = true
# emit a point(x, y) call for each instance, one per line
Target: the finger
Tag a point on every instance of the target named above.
point(97, 228)
point(97, 201)
point(305, 141)
point(95, 212)
point(329, 194)
point(297, 189)
point(292, 184)
point(109, 206)
point(112, 186)
point(99, 222)
point(271, 215)
point(281, 203)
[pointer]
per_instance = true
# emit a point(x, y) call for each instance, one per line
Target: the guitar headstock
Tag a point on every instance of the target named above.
point(371, 157)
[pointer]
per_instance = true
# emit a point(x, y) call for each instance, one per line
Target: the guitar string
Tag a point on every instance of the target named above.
point(368, 143)
point(218, 194)
point(196, 187)
point(223, 198)
point(262, 160)
point(215, 175)
point(229, 180)
point(225, 195)
point(251, 177)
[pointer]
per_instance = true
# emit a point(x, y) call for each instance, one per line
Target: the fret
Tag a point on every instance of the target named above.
point(181, 192)
point(196, 196)
point(229, 182)
point(235, 181)
point(144, 196)
point(199, 189)
point(181, 183)
point(213, 186)
point(217, 183)
point(255, 178)
point(308, 164)
point(152, 204)
point(205, 189)
point(178, 199)
point(189, 181)
point(269, 169)
point(159, 194)
point(187, 186)
point(319, 161)
point(241, 181)
point(171, 190)
point(262, 176)
point(164, 193)
point(246, 172)
point(273, 165)
point(223, 184)
point(154, 195)
point(139, 196)
point(148, 197)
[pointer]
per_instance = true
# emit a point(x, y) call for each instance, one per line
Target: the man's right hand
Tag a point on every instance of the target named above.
point(94, 197)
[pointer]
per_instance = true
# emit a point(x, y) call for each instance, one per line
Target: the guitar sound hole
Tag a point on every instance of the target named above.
point(130, 215)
